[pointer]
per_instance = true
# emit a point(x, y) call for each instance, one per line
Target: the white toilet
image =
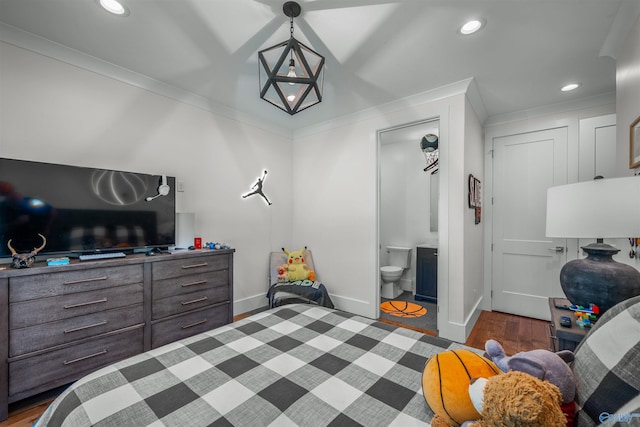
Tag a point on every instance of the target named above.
point(399, 260)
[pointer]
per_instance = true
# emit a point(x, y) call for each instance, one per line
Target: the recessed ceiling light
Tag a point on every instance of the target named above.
point(570, 87)
point(471, 27)
point(115, 7)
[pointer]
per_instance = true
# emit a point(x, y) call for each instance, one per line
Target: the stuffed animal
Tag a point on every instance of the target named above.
point(544, 365)
point(298, 270)
point(445, 385)
point(516, 399)
point(283, 273)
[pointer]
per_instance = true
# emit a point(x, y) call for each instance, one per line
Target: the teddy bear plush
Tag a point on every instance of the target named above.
point(283, 273)
point(515, 399)
point(544, 365)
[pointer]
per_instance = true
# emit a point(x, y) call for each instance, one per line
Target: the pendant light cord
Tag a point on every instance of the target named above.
point(291, 22)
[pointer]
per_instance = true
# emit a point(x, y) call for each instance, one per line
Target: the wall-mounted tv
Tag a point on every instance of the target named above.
point(83, 210)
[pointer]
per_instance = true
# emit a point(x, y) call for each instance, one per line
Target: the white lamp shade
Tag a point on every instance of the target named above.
point(595, 209)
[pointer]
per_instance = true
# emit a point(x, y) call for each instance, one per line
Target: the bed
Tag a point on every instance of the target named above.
point(297, 364)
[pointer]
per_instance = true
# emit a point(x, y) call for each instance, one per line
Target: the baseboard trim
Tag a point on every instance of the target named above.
point(459, 332)
point(351, 305)
point(246, 305)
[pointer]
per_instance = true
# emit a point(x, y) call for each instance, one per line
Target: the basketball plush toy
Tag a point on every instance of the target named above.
point(445, 385)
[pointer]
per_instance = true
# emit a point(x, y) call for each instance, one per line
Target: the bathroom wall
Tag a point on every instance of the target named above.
point(405, 194)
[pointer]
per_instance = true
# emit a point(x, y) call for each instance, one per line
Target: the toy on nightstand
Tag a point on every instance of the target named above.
point(586, 317)
point(565, 321)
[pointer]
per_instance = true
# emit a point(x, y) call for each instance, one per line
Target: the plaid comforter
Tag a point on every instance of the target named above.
point(607, 369)
point(293, 365)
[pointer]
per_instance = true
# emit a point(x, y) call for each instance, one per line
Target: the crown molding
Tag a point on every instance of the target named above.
point(39, 45)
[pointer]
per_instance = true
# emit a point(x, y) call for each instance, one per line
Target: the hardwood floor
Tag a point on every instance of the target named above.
point(515, 333)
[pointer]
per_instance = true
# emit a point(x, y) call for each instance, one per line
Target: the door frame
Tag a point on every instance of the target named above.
point(378, 136)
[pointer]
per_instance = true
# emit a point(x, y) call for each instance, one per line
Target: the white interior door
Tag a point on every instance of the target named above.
point(526, 263)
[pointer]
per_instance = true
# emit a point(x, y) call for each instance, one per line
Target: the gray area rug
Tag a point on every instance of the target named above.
point(428, 321)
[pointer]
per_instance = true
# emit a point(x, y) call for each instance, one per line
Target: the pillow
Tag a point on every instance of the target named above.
point(606, 367)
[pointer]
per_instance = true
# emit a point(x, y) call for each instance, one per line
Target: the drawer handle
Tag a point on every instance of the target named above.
point(186, 267)
point(200, 282)
point(194, 301)
point(93, 279)
point(82, 304)
point(80, 359)
point(194, 324)
point(81, 328)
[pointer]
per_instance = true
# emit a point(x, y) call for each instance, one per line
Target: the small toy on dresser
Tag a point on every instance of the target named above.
point(58, 261)
point(216, 245)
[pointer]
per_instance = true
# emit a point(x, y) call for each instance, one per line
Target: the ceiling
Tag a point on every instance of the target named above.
point(377, 51)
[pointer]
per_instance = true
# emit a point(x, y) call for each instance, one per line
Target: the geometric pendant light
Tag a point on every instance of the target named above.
point(291, 74)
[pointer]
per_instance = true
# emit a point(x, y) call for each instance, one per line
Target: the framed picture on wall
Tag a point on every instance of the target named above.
point(474, 192)
point(474, 197)
point(634, 144)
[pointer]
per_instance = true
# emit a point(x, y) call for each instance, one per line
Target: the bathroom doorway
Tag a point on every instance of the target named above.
point(407, 217)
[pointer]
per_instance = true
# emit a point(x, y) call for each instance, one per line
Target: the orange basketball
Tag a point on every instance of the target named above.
point(445, 383)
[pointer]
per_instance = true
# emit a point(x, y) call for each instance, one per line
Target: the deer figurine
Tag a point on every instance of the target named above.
point(27, 259)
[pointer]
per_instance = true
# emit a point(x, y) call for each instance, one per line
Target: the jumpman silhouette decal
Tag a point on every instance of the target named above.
point(257, 188)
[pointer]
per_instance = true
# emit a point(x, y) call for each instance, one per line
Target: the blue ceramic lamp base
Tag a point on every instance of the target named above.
point(599, 279)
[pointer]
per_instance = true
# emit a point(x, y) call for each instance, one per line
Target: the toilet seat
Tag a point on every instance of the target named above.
point(391, 269)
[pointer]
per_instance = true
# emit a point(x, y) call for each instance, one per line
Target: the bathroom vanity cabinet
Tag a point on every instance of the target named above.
point(427, 274)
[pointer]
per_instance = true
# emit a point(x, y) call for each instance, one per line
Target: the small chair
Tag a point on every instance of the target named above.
point(300, 291)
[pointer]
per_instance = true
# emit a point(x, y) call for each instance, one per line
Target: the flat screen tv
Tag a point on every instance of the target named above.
point(83, 210)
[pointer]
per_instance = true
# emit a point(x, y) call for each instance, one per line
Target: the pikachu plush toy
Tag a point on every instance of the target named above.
point(298, 270)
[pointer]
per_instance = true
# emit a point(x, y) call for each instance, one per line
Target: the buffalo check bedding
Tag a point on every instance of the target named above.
point(293, 365)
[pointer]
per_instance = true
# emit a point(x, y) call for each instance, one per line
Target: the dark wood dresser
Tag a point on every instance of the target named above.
point(59, 323)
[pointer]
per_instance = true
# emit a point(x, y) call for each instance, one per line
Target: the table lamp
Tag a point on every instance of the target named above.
point(602, 208)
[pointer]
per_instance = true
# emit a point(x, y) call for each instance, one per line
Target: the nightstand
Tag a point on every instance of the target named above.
point(564, 338)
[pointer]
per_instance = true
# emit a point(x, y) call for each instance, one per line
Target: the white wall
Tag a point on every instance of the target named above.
point(337, 193)
point(53, 112)
point(627, 95)
point(474, 233)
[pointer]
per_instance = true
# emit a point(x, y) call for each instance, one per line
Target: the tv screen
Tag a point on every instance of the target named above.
point(83, 210)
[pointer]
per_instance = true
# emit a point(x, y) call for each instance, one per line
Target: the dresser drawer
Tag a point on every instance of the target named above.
point(39, 337)
point(190, 283)
point(191, 265)
point(44, 310)
point(67, 282)
point(176, 328)
point(182, 303)
point(59, 367)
